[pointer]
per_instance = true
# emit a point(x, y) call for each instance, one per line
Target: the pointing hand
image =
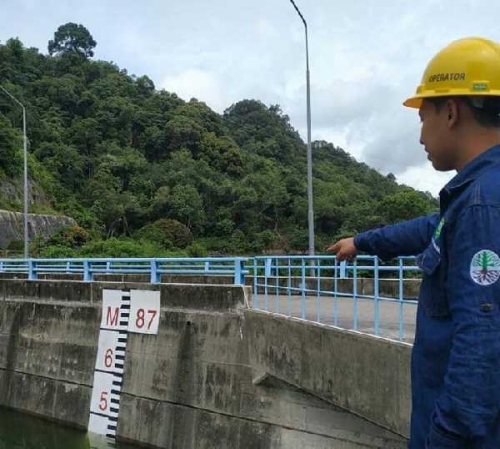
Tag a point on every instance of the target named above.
point(344, 249)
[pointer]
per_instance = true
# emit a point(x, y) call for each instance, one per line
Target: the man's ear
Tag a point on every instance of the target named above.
point(453, 111)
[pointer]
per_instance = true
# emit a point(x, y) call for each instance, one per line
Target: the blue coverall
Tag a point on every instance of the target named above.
point(456, 355)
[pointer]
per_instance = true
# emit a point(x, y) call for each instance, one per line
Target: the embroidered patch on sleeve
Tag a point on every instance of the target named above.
point(485, 267)
point(437, 233)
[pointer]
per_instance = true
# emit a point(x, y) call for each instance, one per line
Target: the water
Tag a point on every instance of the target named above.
point(20, 431)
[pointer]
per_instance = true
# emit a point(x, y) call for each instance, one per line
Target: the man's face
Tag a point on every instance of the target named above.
point(436, 136)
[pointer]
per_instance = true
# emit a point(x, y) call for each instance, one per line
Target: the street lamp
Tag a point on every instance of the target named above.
point(25, 152)
point(310, 210)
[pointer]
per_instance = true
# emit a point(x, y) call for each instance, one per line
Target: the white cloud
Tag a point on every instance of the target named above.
point(424, 178)
point(199, 84)
point(366, 58)
point(265, 29)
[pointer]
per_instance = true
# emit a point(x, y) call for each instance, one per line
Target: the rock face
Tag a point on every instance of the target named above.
point(12, 190)
point(39, 226)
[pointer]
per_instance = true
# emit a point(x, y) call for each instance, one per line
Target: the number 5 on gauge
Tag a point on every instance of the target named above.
point(102, 392)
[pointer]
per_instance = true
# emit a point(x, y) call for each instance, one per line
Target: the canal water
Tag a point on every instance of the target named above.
point(20, 431)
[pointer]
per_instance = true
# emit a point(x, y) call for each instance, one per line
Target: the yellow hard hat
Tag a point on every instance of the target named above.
point(469, 66)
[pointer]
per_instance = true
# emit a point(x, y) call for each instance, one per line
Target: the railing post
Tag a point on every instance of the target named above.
point(276, 285)
point(376, 291)
point(32, 274)
point(303, 313)
point(355, 293)
point(343, 274)
point(267, 274)
point(155, 276)
point(87, 273)
point(401, 302)
point(355, 279)
point(239, 275)
point(289, 288)
point(335, 292)
point(318, 291)
point(256, 300)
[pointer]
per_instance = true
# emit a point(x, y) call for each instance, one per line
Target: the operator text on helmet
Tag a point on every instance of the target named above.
point(466, 67)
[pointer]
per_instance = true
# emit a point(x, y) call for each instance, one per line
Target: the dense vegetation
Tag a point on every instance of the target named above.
point(145, 173)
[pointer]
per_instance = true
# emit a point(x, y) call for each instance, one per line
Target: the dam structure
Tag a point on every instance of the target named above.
point(174, 358)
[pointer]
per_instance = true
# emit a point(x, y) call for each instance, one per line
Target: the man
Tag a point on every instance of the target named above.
point(456, 354)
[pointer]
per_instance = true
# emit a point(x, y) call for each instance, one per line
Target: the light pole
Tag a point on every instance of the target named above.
point(310, 210)
point(25, 154)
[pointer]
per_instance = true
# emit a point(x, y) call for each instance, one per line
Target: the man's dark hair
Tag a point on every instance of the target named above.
point(486, 110)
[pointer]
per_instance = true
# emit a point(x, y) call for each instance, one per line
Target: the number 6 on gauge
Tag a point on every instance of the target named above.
point(106, 351)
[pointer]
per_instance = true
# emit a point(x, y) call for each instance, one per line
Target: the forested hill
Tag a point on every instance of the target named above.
point(146, 173)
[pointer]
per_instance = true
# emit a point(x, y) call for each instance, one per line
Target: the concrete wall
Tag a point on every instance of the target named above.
point(197, 384)
point(365, 286)
point(130, 278)
point(367, 375)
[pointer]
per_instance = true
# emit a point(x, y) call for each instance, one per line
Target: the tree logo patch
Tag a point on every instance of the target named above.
point(485, 267)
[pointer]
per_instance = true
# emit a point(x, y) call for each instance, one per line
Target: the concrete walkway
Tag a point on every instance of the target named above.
point(340, 311)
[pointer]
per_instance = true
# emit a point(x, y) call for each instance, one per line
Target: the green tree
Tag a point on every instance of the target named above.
point(73, 237)
point(72, 38)
point(183, 132)
point(85, 134)
point(222, 154)
point(166, 232)
point(404, 205)
point(64, 162)
point(145, 85)
point(10, 143)
point(200, 113)
point(121, 247)
point(62, 92)
point(186, 205)
point(124, 163)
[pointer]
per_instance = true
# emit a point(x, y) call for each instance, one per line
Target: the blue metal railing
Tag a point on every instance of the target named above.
point(154, 268)
point(365, 295)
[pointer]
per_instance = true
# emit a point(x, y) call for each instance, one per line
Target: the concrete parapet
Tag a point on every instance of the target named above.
point(128, 277)
point(366, 375)
point(365, 286)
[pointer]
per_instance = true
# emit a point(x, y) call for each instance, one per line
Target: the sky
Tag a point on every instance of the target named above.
point(366, 57)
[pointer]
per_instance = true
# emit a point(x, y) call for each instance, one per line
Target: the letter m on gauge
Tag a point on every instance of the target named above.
point(111, 303)
point(112, 316)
